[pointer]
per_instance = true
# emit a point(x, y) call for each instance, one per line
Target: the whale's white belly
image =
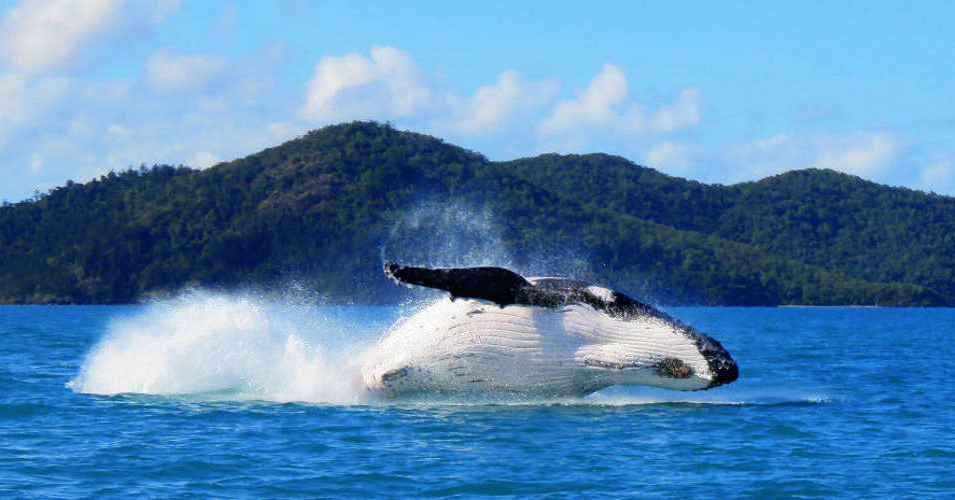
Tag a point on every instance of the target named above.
point(470, 346)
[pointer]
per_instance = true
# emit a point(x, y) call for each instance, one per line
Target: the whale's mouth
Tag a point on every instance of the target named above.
point(610, 365)
point(722, 366)
point(667, 367)
point(724, 371)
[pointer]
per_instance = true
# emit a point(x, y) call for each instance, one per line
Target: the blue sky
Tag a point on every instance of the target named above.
point(718, 93)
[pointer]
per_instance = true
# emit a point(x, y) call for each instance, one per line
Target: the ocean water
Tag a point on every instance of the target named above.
point(231, 396)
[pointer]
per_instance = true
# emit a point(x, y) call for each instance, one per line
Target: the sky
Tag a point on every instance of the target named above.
point(720, 92)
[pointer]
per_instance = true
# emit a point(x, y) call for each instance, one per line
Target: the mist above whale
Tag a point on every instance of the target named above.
point(503, 333)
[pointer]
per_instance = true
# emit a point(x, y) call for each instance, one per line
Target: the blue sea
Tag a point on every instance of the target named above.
point(232, 396)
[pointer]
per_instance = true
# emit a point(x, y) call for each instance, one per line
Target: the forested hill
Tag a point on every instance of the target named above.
point(321, 212)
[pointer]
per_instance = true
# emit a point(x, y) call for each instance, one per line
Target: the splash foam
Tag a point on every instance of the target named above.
point(447, 234)
point(236, 347)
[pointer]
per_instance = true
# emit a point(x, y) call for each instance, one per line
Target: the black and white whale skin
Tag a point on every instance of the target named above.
point(502, 333)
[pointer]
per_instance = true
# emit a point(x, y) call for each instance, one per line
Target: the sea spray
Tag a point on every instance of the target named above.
point(234, 347)
point(456, 233)
point(446, 234)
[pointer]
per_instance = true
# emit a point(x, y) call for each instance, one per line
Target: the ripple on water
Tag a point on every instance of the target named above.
point(808, 418)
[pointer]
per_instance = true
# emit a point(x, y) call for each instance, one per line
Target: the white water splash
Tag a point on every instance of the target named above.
point(723, 396)
point(449, 234)
point(232, 347)
point(456, 233)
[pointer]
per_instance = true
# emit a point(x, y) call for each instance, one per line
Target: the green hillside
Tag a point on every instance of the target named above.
point(321, 211)
point(836, 221)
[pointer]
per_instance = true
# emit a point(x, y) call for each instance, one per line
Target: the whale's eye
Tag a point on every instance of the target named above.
point(674, 368)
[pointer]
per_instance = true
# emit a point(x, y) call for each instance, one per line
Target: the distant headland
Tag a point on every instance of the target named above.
point(320, 212)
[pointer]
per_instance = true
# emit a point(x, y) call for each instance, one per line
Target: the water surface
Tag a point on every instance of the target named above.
point(230, 397)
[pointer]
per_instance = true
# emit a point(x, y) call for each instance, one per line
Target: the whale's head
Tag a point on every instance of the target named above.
point(682, 365)
point(658, 353)
point(625, 342)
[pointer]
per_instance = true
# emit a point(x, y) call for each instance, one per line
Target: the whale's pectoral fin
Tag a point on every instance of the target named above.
point(494, 284)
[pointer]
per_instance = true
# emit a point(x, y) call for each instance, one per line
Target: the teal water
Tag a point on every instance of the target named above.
point(209, 396)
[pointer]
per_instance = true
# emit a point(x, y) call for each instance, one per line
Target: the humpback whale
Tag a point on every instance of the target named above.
point(502, 333)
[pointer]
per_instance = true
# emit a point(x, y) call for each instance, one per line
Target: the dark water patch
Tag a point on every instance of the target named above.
point(939, 453)
point(511, 488)
point(25, 410)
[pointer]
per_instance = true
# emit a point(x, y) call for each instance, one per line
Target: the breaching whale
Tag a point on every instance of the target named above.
point(503, 333)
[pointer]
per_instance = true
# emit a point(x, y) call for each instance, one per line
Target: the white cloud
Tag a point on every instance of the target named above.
point(769, 144)
point(12, 88)
point(283, 131)
point(862, 154)
point(604, 105)
point(493, 105)
point(938, 176)
point(685, 112)
point(593, 106)
point(880, 156)
point(118, 131)
point(670, 156)
point(387, 84)
point(169, 72)
point(40, 40)
point(24, 100)
point(120, 123)
point(158, 10)
point(36, 163)
point(203, 159)
point(41, 35)
point(867, 154)
point(106, 92)
point(769, 156)
point(153, 119)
